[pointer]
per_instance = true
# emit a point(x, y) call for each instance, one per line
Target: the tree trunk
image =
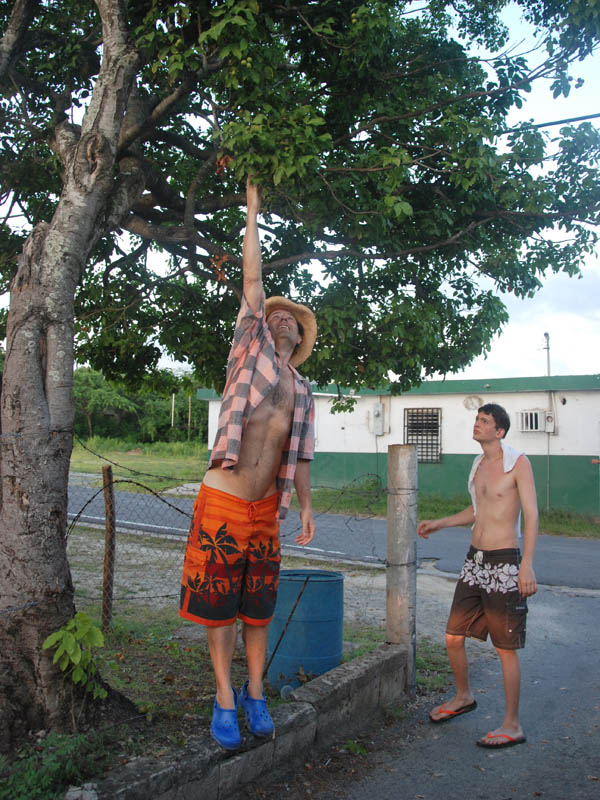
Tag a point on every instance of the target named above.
point(36, 591)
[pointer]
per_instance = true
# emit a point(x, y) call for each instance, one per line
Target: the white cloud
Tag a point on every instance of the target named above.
point(568, 309)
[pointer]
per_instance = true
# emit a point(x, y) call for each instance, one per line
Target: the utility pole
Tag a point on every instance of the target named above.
point(547, 349)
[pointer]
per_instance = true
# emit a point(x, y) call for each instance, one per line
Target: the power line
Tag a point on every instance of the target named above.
point(550, 124)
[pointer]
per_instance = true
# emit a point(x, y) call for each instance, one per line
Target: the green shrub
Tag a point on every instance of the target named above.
point(44, 771)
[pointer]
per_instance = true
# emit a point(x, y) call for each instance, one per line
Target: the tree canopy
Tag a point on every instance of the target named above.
point(392, 181)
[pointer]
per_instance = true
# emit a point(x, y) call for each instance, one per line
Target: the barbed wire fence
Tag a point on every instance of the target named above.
point(126, 543)
point(126, 540)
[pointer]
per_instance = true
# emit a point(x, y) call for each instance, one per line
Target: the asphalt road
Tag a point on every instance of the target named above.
point(560, 714)
point(559, 561)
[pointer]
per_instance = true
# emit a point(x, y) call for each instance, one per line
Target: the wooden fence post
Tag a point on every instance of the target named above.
point(109, 547)
point(401, 571)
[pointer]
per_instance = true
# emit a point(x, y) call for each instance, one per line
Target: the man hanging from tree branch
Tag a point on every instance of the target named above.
point(264, 444)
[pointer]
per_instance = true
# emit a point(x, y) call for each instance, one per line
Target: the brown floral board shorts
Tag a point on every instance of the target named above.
point(487, 599)
point(231, 565)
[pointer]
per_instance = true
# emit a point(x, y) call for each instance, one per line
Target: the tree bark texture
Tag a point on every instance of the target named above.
point(36, 591)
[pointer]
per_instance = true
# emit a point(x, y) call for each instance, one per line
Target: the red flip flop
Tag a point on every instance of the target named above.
point(510, 741)
point(451, 714)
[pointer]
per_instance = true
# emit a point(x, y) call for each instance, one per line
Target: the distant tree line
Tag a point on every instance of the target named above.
point(109, 409)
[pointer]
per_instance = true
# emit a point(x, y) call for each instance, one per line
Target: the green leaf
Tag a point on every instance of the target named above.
point(52, 640)
point(78, 675)
point(96, 637)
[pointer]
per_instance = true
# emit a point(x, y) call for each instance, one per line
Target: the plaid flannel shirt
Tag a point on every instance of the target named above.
point(253, 370)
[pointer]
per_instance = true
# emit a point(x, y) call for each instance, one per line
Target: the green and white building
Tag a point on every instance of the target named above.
point(555, 420)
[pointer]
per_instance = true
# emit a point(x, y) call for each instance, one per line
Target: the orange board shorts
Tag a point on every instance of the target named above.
point(232, 558)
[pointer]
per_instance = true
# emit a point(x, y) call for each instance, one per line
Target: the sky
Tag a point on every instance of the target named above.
point(568, 309)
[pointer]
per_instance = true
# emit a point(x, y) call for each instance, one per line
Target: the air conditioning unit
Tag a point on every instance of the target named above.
point(549, 421)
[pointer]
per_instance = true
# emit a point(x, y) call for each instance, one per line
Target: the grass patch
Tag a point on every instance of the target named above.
point(363, 639)
point(569, 523)
point(434, 506)
point(357, 499)
point(370, 499)
point(160, 465)
point(169, 678)
point(433, 672)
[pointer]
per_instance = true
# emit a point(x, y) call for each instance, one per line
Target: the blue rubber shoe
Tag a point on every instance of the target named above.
point(258, 718)
point(224, 727)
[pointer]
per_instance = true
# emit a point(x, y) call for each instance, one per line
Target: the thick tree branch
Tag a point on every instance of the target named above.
point(14, 37)
point(175, 235)
point(166, 105)
point(180, 142)
point(190, 200)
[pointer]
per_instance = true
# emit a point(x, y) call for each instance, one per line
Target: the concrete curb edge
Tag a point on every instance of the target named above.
point(323, 709)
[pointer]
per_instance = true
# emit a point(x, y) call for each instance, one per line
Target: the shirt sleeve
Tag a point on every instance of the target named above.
point(249, 325)
point(306, 446)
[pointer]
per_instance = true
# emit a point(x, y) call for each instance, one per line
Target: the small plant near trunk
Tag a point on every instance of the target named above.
point(74, 645)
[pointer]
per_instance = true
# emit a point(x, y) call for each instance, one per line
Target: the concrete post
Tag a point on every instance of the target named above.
point(401, 571)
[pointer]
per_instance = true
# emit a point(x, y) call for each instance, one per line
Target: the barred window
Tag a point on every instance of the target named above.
point(422, 426)
point(531, 420)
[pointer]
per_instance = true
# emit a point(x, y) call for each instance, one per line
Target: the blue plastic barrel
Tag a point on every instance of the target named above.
point(312, 643)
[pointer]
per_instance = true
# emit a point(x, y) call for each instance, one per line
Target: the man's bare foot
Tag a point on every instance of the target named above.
point(502, 737)
point(453, 708)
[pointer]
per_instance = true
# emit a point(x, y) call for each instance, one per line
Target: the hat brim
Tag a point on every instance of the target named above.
point(303, 316)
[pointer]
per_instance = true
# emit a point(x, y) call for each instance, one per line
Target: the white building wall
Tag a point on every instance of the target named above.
point(577, 422)
point(213, 419)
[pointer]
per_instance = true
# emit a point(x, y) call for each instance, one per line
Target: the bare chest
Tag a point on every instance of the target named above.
point(492, 484)
point(277, 408)
point(282, 396)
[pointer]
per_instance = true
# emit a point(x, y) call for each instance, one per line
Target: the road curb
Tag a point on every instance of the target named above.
point(326, 708)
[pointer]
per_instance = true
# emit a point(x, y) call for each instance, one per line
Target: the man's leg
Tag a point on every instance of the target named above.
point(255, 640)
point(252, 698)
point(221, 645)
point(457, 655)
point(511, 672)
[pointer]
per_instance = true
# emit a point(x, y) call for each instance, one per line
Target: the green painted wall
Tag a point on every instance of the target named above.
point(334, 470)
point(574, 480)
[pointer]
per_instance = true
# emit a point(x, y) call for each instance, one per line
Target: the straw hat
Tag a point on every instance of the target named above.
point(304, 317)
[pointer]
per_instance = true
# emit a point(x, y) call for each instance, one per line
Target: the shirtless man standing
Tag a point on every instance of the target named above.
point(495, 579)
point(264, 444)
